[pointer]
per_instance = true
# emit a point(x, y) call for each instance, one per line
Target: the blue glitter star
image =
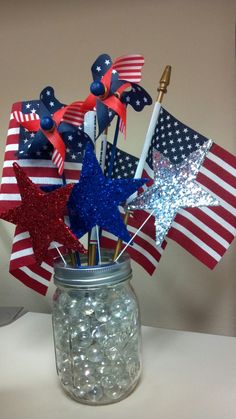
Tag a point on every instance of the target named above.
point(95, 199)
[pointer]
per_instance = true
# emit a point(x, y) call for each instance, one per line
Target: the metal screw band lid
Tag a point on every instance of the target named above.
point(107, 273)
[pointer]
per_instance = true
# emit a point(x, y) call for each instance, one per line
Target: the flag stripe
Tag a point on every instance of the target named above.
point(222, 195)
point(215, 255)
point(34, 275)
point(21, 236)
point(224, 189)
point(222, 217)
point(205, 218)
point(197, 228)
point(223, 155)
point(140, 257)
point(26, 279)
point(146, 244)
point(223, 172)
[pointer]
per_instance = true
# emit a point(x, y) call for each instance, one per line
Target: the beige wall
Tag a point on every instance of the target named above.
point(55, 42)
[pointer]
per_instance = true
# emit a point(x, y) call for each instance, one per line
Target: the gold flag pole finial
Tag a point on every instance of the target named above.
point(164, 82)
point(162, 89)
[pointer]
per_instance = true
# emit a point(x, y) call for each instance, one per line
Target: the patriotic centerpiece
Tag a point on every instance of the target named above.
point(63, 181)
point(55, 190)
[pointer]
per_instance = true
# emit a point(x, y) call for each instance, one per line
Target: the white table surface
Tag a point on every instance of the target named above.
point(185, 376)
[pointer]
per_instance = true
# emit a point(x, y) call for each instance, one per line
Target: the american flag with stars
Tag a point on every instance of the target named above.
point(41, 171)
point(205, 232)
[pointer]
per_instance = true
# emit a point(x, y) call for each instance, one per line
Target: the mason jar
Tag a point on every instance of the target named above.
point(96, 326)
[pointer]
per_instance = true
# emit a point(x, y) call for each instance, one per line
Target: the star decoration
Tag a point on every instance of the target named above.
point(95, 199)
point(174, 187)
point(41, 214)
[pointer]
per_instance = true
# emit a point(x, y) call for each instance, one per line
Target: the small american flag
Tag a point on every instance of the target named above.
point(41, 171)
point(144, 250)
point(204, 232)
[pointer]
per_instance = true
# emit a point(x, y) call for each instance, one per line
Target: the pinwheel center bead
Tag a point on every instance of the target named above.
point(46, 123)
point(97, 88)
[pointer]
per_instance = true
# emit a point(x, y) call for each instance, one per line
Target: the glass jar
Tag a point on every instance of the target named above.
point(96, 326)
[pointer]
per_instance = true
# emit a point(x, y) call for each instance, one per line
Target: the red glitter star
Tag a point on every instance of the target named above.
point(41, 214)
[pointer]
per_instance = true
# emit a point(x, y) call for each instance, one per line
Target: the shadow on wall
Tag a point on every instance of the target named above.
point(199, 296)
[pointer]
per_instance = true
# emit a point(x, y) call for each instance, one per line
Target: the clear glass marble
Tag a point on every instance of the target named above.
point(96, 327)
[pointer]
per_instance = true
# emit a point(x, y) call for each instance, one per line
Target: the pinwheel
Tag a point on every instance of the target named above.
point(48, 126)
point(108, 91)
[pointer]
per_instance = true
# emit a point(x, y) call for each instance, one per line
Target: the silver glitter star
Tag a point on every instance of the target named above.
point(174, 188)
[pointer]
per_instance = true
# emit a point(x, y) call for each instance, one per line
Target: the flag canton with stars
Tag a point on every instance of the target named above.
point(173, 139)
point(74, 141)
point(124, 164)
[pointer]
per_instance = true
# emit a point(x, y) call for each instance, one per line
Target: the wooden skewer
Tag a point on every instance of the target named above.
point(92, 247)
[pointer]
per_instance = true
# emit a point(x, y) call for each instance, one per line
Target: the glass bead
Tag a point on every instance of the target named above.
point(78, 360)
point(107, 381)
point(112, 353)
point(114, 392)
point(78, 393)
point(100, 332)
point(103, 368)
point(133, 368)
point(95, 393)
point(87, 306)
point(83, 381)
point(81, 339)
point(102, 312)
point(118, 309)
point(94, 353)
point(124, 381)
point(61, 338)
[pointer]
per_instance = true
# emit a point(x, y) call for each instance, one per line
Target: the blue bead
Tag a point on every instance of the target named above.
point(97, 88)
point(46, 123)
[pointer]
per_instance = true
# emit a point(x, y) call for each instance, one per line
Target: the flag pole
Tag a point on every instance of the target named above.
point(162, 89)
point(90, 129)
